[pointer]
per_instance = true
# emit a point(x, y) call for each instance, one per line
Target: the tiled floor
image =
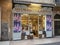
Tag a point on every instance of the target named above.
point(35, 41)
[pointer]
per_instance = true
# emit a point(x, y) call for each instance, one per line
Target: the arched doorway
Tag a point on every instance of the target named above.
point(57, 24)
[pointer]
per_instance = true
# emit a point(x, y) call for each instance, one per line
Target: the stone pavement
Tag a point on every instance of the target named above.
point(36, 41)
point(57, 43)
point(31, 42)
point(4, 42)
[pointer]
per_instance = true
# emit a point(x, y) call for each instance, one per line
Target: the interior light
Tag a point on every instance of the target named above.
point(24, 15)
point(35, 4)
point(35, 7)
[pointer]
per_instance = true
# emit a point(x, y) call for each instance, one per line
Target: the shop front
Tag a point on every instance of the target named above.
point(30, 21)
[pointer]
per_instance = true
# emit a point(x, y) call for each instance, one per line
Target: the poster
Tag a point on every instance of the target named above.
point(49, 26)
point(49, 23)
point(16, 22)
point(16, 26)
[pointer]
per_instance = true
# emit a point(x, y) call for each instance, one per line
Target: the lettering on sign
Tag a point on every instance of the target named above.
point(38, 1)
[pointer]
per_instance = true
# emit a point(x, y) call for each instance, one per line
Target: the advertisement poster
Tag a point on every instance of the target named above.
point(16, 26)
point(49, 23)
point(16, 22)
point(48, 26)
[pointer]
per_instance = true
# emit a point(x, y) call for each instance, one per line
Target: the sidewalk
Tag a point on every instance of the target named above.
point(31, 42)
point(4, 42)
point(36, 41)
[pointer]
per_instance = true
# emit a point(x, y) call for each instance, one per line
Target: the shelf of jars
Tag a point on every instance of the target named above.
point(41, 26)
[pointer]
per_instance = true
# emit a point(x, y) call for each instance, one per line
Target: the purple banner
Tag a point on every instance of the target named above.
point(16, 22)
point(49, 22)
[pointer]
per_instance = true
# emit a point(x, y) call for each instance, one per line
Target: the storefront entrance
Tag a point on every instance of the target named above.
point(33, 22)
point(57, 28)
point(57, 24)
point(30, 23)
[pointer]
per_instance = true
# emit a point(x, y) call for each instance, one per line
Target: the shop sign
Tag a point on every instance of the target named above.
point(37, 1)
point(21, 10)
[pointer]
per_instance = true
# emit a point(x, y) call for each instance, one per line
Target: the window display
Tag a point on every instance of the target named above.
point(41, 23)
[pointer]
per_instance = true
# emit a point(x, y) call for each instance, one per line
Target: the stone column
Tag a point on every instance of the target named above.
point(0, 23)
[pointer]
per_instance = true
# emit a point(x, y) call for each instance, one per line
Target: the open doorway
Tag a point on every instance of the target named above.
point(57, 28)
point(34, 23)
point(33, 20)
point(57, 24)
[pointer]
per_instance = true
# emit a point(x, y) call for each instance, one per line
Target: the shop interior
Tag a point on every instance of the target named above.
point(33, 22)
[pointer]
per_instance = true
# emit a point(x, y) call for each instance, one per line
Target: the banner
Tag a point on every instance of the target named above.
point(16, 22)
point(49, 26)
point(16, 26)
point(49, 23)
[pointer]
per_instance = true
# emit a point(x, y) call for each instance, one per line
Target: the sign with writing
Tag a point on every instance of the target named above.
point(37, 1)
point(28, 11)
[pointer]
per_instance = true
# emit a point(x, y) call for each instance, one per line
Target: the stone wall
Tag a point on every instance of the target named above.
point(6, 8)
